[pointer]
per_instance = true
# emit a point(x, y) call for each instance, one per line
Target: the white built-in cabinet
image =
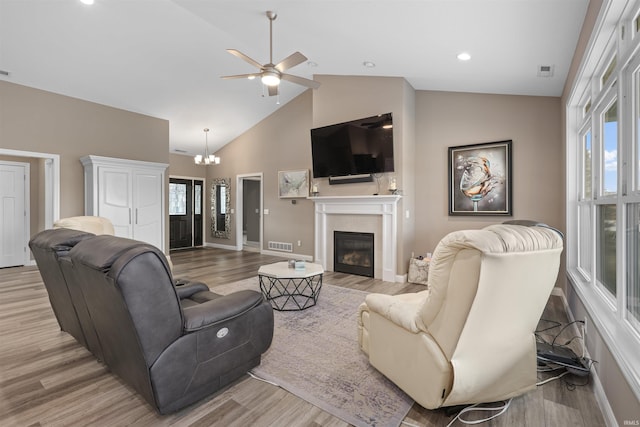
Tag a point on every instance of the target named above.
point(128, 192)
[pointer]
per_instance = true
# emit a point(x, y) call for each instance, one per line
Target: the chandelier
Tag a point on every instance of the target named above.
point(207, 159)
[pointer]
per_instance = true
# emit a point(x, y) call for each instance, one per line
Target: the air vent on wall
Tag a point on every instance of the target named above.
point(545, 71)
point(177, 150)
point(281, 246)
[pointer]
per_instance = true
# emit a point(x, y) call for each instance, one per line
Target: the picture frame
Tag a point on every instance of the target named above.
point(480, 179)
point(293, 184)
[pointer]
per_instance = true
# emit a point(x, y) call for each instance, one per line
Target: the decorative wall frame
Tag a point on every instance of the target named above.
point(293, 184)
point(480, 179)
point(221, 208)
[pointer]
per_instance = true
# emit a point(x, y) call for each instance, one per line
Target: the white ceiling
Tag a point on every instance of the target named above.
point(164, 58)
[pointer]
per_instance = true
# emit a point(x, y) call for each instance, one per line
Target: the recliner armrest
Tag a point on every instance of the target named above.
point(220, 309)
point(185, 289)
point(400, 309)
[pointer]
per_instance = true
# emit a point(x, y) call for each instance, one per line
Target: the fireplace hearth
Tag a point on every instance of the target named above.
point(353, 253)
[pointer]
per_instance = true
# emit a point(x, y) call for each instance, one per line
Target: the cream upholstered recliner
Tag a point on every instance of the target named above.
point(90, 224)
point(469, 337)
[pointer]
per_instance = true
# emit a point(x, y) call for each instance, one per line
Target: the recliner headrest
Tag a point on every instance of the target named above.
point(101, 251)
point(62, 239)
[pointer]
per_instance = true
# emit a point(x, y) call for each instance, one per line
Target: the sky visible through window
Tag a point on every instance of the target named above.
point(610, 151)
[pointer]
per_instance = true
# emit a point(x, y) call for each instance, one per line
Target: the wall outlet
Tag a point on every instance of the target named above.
point(299, 243)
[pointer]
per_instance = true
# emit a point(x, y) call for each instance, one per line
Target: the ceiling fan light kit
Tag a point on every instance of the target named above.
point(271, 74)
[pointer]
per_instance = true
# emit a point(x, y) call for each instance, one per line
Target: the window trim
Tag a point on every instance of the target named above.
point(610, 319)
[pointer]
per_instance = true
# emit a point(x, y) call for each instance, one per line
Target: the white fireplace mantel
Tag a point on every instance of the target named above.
point(384, 206)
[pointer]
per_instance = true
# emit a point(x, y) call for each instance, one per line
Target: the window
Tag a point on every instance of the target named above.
point(177, 199)
point(608, 73)
point(603, 211)
point(609, 151)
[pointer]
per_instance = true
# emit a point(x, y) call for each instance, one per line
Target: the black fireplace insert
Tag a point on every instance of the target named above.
point(353, 253)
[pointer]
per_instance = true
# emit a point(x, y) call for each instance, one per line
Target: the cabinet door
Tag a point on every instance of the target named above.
point(115, 198)
point(148, 207)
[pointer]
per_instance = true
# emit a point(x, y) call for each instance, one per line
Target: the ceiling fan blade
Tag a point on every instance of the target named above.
point(241, 76)
point(301, 81)
point(291, 61)
point(273, 90)
point(244, 57)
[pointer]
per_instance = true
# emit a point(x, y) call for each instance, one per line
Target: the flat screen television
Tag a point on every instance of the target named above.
point(357, 147)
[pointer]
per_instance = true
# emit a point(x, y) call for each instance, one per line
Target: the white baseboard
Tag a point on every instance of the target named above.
point(219, 246)
point(601, 397)
point(401, 278)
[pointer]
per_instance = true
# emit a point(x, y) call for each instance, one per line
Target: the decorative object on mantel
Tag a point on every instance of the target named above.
point(207, 159)
point(480, 179)
point(393, 185)
point(314, 189)
point(292, 184)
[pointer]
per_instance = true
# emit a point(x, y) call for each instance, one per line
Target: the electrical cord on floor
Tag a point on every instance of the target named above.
point(548, 380)
point(555, 323)
point(553, 343)
point(502, 409)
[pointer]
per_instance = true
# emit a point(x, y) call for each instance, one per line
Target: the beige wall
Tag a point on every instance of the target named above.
point(446, 119)
point(344, 98)
point(278, 143)
point(44, 122)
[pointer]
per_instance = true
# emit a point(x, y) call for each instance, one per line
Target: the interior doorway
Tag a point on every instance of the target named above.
point(186, 220)
point(14, 213)
point(249, 207)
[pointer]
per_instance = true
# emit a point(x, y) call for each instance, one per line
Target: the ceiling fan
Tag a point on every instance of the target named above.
point(271, 74)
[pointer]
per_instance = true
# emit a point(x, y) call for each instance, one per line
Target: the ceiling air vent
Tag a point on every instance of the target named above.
point(545, 71)
point(177, 150)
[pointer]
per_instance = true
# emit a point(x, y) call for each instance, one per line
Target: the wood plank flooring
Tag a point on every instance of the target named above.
point(47, 378)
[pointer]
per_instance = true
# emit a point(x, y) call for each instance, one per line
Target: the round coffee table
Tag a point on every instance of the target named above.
point(289, 289)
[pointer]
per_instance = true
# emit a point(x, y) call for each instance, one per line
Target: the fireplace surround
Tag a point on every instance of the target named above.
point(377, 214)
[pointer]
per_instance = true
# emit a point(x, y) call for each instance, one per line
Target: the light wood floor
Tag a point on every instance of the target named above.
point(47, 378)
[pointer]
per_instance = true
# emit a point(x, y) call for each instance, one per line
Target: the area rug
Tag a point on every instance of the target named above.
point(315, 355)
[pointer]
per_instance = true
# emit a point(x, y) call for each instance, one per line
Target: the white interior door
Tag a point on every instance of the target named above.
point(12, 214)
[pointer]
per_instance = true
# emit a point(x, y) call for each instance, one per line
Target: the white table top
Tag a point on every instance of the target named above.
point(281, 270)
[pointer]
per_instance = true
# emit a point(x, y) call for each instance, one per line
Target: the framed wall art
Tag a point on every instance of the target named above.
point(292, 184)
point(480, 179)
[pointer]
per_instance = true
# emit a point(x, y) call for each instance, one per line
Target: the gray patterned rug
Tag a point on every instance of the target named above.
point(315, 355)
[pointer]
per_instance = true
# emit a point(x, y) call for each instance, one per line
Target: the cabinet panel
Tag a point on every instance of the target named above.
point(130, 193)
point(148, 204)
point(115, 199)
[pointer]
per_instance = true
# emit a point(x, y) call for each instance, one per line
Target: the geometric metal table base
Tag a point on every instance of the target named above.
point(288, 289)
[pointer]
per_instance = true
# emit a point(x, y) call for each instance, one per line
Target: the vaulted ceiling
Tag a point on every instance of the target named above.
point(164, 58)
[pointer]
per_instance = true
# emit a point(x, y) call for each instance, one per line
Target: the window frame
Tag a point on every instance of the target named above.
point(609, 39)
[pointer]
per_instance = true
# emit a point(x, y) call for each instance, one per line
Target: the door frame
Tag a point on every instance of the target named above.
point(204, 201)
point(26, 256)
point(239, 204)
point(51, 187)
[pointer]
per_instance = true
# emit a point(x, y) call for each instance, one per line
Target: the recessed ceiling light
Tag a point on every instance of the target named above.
point(369, 64)
point(464, 56)
point(88, 2)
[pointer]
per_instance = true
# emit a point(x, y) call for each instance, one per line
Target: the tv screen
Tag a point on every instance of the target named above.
point(362, 146)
